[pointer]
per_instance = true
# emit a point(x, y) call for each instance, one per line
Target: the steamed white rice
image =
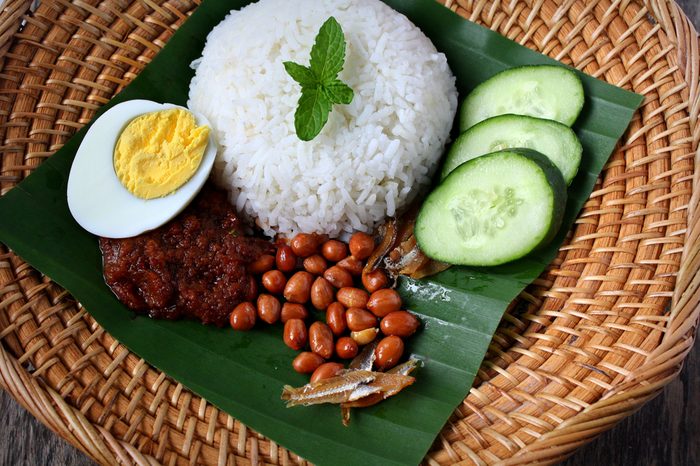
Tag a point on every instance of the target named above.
point(372, 157)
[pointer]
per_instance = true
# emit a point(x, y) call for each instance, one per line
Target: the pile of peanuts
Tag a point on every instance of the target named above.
point(327, 275)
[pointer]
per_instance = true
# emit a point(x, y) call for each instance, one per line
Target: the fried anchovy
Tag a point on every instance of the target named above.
point(334, 390)
point(352, 388)
point(365, 360)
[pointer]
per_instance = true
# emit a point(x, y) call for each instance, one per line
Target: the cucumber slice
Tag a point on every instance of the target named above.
point(551, 138)
point(542, 91)
point(493, 209)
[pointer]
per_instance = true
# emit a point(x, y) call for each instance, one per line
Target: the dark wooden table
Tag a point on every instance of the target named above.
point(666, 432)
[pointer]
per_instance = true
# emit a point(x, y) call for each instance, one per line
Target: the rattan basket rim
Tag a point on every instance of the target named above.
point(60, 62)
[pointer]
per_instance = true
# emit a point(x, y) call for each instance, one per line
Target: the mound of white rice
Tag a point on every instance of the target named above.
point(372, 157)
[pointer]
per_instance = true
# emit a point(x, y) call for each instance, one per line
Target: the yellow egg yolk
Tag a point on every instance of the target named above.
point(159, 152)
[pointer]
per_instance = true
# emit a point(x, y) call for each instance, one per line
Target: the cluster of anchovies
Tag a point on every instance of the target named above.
point(358, 386)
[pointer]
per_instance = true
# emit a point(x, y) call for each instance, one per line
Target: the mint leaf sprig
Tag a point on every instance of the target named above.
point(320, 86)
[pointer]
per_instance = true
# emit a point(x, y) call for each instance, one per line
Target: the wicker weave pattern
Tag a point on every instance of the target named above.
point(598, 335)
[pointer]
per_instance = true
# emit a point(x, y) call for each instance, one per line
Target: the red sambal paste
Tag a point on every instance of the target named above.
point(193, 266)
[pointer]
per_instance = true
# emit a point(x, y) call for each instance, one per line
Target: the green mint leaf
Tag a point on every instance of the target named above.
point(301, 74)
point(328, 52)
point(312, 113)
point(338, 92)
point(320, 86)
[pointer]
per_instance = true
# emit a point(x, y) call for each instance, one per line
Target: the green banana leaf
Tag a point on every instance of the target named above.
point(243, 373)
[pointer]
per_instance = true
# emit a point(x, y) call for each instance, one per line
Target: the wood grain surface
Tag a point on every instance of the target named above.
point(666, 432)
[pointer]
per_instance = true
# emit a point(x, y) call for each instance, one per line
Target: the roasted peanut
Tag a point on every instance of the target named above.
point(322, 294)
point(262, 264)
point(285, 260)
point(364, 336)
point(334, 250)
point(346, 348)
point(298, 288)
point(321, 339)
point(352, 297)
point(295, 334)
point(359, 319)
point(269, 308)
point(388, 352)
point(374, 280)
point(382, 302)
point(335, 318)
point(326, 371)
point(243, 317)
point(304, 244)
point(361, 245)
point(315, 264)
point(338, 277)
point(274, 281)
point(307, 362)
point(399, 323)
point(352, 265)
point(293, 311)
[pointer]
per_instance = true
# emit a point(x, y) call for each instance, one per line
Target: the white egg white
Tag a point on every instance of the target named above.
point(97, 199)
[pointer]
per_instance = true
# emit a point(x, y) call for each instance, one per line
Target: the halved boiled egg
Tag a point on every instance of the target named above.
point(138, 166)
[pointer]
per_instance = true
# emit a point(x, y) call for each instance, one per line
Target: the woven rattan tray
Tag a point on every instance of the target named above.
point(602, 331)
